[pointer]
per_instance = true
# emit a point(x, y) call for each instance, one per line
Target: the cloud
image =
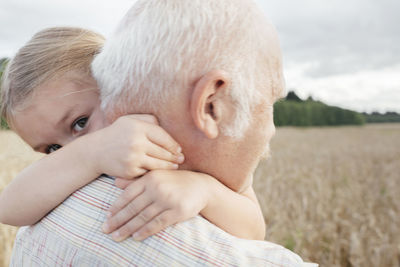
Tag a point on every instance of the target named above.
point(338, 36)
point(23, 18)
point(366, 90)
point(343, 52)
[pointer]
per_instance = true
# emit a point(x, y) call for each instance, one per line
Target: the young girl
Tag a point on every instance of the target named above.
point(50, 99)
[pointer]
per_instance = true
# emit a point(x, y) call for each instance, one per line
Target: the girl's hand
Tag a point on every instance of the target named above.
point(133, 145)
point(155, 201)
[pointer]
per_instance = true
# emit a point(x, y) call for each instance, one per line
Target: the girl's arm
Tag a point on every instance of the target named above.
point(128, 148)
point(44, 184)
point(237, 214)
point(162, 198)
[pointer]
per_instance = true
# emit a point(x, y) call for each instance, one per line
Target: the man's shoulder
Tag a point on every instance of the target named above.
point(227, 250)
point(75, 225)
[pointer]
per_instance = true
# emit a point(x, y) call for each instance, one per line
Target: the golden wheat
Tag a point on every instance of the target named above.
point(14, 156)
point(330, 194)
point(333, 194)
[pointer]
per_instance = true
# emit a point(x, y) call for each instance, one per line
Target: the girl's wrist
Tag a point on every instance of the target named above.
point(86, 146)
point(211, 188)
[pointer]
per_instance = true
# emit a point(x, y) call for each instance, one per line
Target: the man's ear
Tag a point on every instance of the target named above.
point(207, 101)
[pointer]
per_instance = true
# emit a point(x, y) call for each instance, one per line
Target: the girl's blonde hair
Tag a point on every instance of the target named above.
point(49, 54)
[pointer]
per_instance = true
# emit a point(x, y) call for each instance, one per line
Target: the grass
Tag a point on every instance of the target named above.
point(332, 195)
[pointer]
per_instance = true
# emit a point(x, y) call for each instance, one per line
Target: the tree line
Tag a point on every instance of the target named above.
point(293, 111)
point(376, 117)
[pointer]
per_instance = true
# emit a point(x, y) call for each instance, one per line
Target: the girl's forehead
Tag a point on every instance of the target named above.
point(51, 89)
point(62, 88)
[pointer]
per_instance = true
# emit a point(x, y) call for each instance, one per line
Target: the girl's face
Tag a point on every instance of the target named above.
point(60, 111)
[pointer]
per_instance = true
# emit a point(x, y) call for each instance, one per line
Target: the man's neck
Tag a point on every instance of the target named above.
point(247, 184)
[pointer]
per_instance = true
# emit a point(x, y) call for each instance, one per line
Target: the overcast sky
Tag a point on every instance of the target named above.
point(343, 52)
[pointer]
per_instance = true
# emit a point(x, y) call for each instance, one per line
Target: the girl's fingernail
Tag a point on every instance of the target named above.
point(181, 158)
point(136, 236)
point(179, 149)
point(106, 227)
point(116, 236)
point(175, 166)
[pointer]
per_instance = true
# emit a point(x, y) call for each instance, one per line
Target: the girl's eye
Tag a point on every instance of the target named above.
point(80, 124)
point(52, 148)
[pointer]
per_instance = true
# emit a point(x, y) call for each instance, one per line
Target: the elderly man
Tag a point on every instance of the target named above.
point(210, 71)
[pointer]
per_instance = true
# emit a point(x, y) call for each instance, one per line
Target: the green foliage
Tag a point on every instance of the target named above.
point(376, 117)
point(293, 97)
point(296, 112)
point(3, 64)
point(289, 243)
point(3, 124)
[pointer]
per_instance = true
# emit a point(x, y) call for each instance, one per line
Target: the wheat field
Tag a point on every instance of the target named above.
point(332, 195)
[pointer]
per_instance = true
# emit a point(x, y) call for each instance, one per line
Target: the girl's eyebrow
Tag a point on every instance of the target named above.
point(68, 114)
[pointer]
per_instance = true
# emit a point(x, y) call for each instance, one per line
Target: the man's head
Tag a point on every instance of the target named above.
point(209, 70)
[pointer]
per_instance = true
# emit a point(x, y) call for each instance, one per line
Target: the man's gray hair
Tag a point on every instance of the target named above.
point(162, 46)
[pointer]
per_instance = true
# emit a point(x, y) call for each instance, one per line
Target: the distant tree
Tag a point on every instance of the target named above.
point(3, 64)
point(377, 117)
point(3, 124)
point(4, 59)
point(291, 96)
point(295, 112)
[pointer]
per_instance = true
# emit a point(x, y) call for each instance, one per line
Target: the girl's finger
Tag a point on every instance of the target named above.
point(151, 163)
point(122, 183)
point(160, 137)
point(139, 172)
point(127, 213)
point(158, 223)
point(144, 117)
point(160, 152)
point(136, 223)
point(134, 189)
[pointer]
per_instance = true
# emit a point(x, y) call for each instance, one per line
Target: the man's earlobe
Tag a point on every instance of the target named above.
point(206, 106)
